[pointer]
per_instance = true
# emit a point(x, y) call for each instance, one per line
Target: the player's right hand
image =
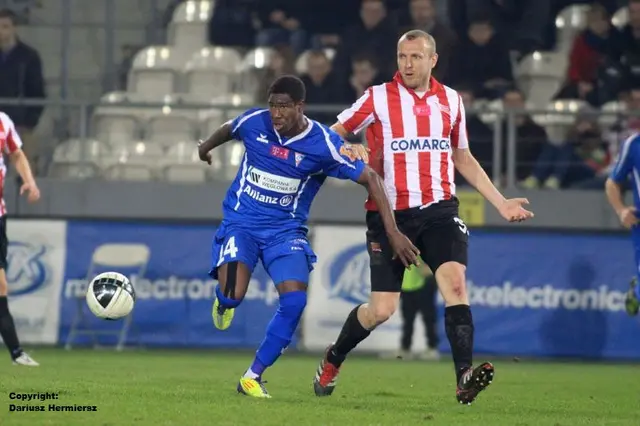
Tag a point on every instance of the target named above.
point(404, 249)
point(628, 217)
point(204, 155)
point(33, 193)
point(359, 151)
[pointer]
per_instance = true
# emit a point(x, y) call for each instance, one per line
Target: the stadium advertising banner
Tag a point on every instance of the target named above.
point(168, 266)
point(35, 260)
point(532, 294)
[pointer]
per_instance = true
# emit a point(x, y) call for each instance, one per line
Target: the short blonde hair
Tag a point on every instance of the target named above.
point(416, 34)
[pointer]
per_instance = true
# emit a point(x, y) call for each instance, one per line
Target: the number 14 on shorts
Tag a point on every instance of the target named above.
point(229, 250)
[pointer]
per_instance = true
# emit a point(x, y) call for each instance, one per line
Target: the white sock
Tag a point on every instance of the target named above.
point(250, 375)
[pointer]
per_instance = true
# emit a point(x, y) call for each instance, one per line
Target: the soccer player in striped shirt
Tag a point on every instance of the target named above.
point(417, 135)
point(10, 145)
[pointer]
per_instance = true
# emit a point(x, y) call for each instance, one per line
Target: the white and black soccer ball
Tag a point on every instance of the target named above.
point(111, 296)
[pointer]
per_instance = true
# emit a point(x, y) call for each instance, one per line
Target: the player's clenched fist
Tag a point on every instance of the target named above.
point(203, 153)
point(628, 217)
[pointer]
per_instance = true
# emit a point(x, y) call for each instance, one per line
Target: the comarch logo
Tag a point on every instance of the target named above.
point(27, 269)
point(176, 288)
point(349, 280)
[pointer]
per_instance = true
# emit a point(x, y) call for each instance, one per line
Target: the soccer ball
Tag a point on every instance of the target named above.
point(111, 296)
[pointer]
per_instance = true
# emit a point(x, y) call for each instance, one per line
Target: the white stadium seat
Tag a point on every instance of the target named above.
point(78, 159)
point(621, 18)
point(211, 72)
point(188, 26)
point(156, 70)
point(140, 162)
point(611, 113)
point(302, 61)
point(569, 22)
point(540, 76)
point(183, 164)
point(169, 127)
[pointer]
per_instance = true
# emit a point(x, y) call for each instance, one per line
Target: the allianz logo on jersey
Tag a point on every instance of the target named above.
point(421, 144)
point(271, 182)
point(267, 199)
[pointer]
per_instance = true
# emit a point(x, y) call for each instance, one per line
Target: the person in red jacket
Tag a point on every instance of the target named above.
point(593, 48)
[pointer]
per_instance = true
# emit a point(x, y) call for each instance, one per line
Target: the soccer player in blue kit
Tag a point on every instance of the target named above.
point(627, 168)
point(287, 158)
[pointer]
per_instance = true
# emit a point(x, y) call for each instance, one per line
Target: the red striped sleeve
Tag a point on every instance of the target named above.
point(459, 137)
point(360, 115)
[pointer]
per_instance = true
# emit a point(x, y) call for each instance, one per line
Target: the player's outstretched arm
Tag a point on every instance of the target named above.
point(219, 137)
point(468, 166)
point(21, 163)
point(402, 246)
point(626, 214)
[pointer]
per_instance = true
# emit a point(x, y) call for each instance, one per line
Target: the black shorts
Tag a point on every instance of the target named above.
point(3, 242)
point(437, 231)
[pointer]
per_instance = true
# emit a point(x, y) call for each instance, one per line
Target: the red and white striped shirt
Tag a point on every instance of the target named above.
point(411, 139)
point(10, 142)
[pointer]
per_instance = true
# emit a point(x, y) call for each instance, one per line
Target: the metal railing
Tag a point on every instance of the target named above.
point(503, 154)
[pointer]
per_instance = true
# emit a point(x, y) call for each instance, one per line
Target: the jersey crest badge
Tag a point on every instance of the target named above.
point(299, 158)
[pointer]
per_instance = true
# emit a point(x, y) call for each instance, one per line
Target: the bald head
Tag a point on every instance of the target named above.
point(416, 58)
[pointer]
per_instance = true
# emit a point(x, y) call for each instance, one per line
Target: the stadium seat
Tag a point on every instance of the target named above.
point(108, 257)
point(611, 113)
point(254, 60)
point(211, 72)
point(188, 26)
point(157, 70)
point(140, 161)
point(569, 22)
point(77, 158)
point(301, 62)
point(540, 76)
point(183, 163)
point(233, 154)
point(114, 121)
point(621, 17)
point(170, 126)
point(560, 116)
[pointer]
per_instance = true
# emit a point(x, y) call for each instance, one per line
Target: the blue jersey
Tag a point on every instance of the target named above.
point(627, 167)
point(279, 177)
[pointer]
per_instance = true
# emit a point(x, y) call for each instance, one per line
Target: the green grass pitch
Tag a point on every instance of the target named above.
point(155, 387)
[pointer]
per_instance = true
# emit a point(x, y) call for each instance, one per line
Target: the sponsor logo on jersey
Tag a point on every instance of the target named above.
point(271, 182)
point(268, 199)
point(262, 138)
point(420, 144)
point(280, 152)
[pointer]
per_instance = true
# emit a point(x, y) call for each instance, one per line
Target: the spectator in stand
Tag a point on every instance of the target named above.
point(375, 32)
point(423, 16)
point(233, 23)
point(583, 157)
point(595, 48)
point(630, 45)
point(280, 24)
point(322, 87)
point(530, 137)
point(366, 73)
point(521, 23)
point(282, 62)
point(21, 77)
point(324, 25)
point(480, 135)
point(481, 60)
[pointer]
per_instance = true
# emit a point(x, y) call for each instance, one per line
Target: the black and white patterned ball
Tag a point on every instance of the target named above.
point(110, 296)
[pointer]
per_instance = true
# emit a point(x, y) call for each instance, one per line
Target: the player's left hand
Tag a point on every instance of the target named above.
point(513, 211)
point(204, 156)
point(359, 151)
point(33, 193)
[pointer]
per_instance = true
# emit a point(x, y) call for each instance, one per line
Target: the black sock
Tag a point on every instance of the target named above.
point(458, 324)
point(351, 334)
point(8, 329)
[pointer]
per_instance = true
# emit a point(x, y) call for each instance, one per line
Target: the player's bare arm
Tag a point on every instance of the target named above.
point(219, 137)
point(359, 151)
point(510, 209)
point(21, 163)
point(402, 246)
point(626, 214)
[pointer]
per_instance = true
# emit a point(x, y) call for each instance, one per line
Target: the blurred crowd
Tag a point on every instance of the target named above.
point(350, 45)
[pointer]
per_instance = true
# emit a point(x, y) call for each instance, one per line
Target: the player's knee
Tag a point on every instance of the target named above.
point(382, 309)
point(452, 281)
point(4, 288)
point(292, 304)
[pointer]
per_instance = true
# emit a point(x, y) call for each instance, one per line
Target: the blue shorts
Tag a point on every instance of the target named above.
point(285, 254)
point(635, 237)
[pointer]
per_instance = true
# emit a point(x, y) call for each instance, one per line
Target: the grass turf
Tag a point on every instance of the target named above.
point(198, 388)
